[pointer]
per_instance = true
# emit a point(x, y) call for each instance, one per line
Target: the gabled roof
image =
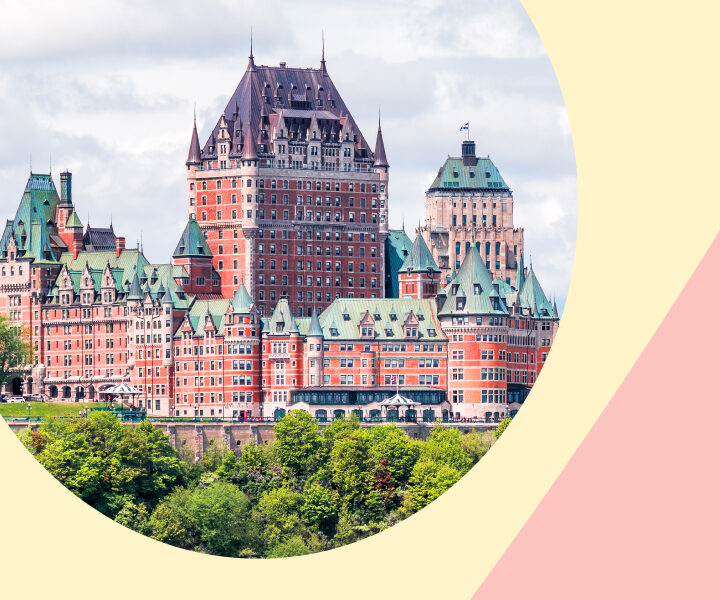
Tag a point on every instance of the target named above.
point(420, 258)
point(473, 285)
point(282, 321)
point(456, 175)
point(533, 297)
point(192, 241)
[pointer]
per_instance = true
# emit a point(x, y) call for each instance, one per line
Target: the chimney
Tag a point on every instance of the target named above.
point(468, 153)
point(77, 247)
point(66, 187)
point(119, 245)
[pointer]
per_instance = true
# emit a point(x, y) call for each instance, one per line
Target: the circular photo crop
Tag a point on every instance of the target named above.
point(270, 288)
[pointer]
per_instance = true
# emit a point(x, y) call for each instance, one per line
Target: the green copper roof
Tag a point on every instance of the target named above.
point(397, 248)
point(314, 329)
point(242, 302)
point(472, 291)
point(482, 176)
point(282, 321)
point(192, 241)
point(520, 277)
point(135, 289)
point(33, 227)
point(345, 318)
point(73, 220)
point(532, 297)
point(419, 258)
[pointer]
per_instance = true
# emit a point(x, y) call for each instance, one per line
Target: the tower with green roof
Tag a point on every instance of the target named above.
point(469, 204)
point(419, 275)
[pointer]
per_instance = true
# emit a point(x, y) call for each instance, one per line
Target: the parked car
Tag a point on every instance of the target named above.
point(34, 398)
point(16, 399)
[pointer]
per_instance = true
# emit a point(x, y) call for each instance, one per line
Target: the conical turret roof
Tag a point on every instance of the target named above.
point(380, 157)
point(194, 151)
point(135, 289)
point(241, 302)
point(315, 329)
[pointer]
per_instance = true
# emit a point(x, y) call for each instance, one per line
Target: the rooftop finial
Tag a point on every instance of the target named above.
point(50, 163)
point(322, 59)
point(194, 113)
point(251, 58)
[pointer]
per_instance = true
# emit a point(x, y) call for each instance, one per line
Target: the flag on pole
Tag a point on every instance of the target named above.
point(465, 127)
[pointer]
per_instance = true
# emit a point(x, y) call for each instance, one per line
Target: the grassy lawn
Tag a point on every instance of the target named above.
point(45, 409)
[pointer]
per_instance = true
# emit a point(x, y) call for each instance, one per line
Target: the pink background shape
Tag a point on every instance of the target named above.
point(635, 513)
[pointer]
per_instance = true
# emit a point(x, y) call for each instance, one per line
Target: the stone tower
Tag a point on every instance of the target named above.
point(469, 204)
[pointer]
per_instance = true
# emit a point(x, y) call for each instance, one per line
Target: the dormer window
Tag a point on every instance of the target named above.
point(279, 326)
point(389, 332)
point(346, 317)
point(431, 333)
point(477, 289)
point(393, 317)
point(411, 332)
point(460, 303)
point(421, 317)
point(455, 288)
point(377, 316)
point(334, 331)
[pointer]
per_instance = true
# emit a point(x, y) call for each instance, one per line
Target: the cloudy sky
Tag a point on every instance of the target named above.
point(107, 89)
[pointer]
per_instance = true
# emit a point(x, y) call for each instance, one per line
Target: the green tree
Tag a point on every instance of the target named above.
point(430, 479)
point(277, 512)
point(294, 546)
point(16, 350)
point(171, 521)
point(220, 513)
point(474, 445)
point(445, 447)
point(502, 426)
point(134, 516)
point(319, 508)
point(351, 466)
point(297, 441)
point(390, 444)
point(213, 456)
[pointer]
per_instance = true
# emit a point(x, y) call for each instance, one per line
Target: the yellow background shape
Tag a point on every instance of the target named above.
point(640, 86)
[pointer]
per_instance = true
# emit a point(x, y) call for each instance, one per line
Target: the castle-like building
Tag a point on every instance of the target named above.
point(286, 289)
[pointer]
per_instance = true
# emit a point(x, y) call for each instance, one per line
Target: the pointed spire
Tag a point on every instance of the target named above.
point(380, 157)
point(323, 68)
point(315, 328)
point(520, 277)
point(241, 302)
point(135, 289)
point(251, 58)
point(194, 152)
point(249, 147)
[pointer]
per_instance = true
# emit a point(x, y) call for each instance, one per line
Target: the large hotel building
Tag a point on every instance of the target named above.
point(286, 289)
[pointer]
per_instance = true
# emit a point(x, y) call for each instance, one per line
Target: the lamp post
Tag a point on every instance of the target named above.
point(29, 408)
